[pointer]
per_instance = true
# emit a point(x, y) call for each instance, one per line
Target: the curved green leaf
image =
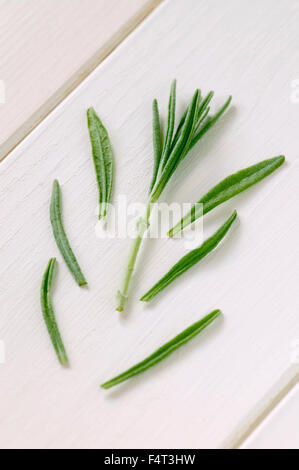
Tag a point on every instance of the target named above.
point(48, 313)
point(165, 350)
point(102, 158)
point(190, 259)
point(61, 238)
point(210, 122)
point(228, 188)
point(170, 124)
point(157, 142)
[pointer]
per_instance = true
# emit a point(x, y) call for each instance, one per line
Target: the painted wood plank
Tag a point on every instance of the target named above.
point(47, 48)
point(280, 429)
point(210, 393)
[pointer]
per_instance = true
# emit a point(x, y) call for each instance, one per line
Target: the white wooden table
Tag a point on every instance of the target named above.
point(47, 48)
point(233, 386)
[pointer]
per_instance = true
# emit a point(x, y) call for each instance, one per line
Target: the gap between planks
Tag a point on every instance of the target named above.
point(76, 79)
point(239, 441)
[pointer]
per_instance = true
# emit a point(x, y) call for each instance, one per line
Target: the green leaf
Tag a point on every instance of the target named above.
point(48, 313)
point(201, 119)
point(210, 123)
point(102, 158)
point(170, 124)
point(179, 129)
point(157, 141)
point(190, 259)
point(165, 350)
point(228, 188)
point(203, 109)
point(61, 238)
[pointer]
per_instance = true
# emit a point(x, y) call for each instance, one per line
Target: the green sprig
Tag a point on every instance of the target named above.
point(192, 126)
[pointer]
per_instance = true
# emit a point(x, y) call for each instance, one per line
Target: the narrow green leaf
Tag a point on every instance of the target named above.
point(228, 188)
point(190, 259)
point(179, 129)
point(203, 107)
point(201, 119)
point(108, 161)
point(210, 123)
point(60, 235)
point(102, 158)
point(165, 350)
point(48, 313)
point(157, 141)
point(170, 124)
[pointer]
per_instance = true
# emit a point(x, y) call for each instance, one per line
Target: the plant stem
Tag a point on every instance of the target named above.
point(142, 226)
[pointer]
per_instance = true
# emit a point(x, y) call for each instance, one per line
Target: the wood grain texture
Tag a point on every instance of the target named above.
point(48, 47)
point(280, 429)
point(210, 392)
